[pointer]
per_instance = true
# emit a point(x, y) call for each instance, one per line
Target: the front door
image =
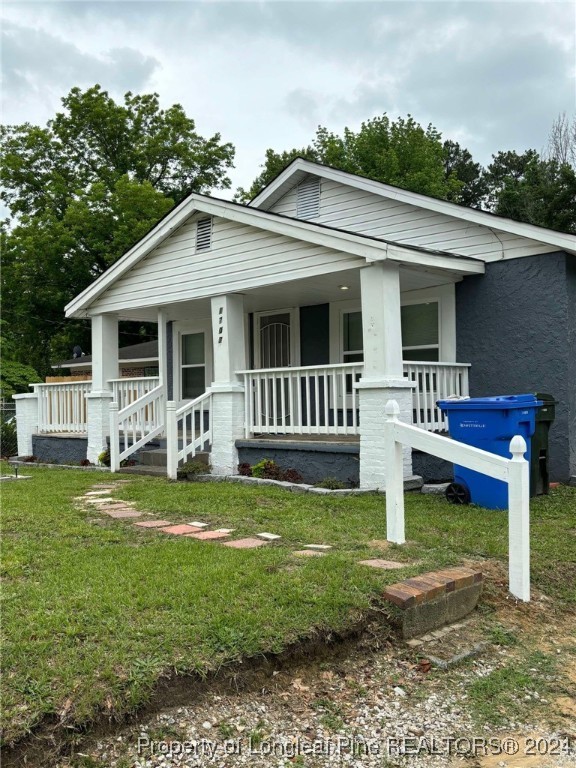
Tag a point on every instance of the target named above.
point(193, 362)
point(275, 335)
point(274, 339)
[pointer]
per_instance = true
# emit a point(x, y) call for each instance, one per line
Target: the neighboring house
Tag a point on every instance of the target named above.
point(286, 325)
point(135, 360)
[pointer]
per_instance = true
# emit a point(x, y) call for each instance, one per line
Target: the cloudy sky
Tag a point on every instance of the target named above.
point(492, 75)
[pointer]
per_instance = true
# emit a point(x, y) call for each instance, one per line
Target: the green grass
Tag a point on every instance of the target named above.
point(97, 610)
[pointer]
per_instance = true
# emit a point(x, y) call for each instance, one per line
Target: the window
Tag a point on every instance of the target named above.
point(420, 334)
point(193, 366)
point(203, 234)
point(308, 198)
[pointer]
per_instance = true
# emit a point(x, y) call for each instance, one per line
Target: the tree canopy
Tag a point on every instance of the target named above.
point(401, 153)
point(528, 187)
point(80, 192)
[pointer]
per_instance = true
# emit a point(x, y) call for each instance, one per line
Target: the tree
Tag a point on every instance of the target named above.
point(527, 188)
point(401, 153)
point(458, 162)
point(14, 376)
point(562, 141)
point(80, 192)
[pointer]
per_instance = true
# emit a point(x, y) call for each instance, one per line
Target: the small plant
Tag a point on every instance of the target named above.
point(86, 463)
point(193, 467)
point(266, 469)
point(104, 458)
point(245, 469)
point(292, 476)
point(269, 470)
point(30, 459)
point(331, 483)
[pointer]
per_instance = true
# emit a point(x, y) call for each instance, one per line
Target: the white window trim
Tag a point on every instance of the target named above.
point(445, 295)
point(294, 313)
point(182, 329)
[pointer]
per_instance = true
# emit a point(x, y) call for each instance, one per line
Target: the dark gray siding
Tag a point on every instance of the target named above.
point(571, 275)
point(515, 325)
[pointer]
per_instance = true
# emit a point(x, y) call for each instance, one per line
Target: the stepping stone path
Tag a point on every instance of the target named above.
point(387, 565)
point(102, 500)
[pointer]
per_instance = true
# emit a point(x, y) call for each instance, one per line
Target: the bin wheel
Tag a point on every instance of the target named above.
point(457, 494)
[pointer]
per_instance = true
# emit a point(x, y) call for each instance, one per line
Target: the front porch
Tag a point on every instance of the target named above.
point(207, 399)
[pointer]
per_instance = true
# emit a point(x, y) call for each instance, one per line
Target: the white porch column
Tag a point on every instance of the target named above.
point(104, 368)
point(26, 421)
point(230, 355)
point(162, 348)
point(383, 377)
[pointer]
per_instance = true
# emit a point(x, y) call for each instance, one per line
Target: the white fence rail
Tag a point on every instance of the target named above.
point(514, 471)
point(188, 430)
point(302, 401)
point(125, 391)
point(62, 407)
point(135, 425)
point(434, 381)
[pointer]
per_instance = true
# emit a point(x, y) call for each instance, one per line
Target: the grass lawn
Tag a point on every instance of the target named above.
point(97, 610)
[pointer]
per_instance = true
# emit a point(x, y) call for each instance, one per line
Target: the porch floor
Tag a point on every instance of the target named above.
point(304, 438)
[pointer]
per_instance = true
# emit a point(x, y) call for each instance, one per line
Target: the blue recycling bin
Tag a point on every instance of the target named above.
point(488, 423)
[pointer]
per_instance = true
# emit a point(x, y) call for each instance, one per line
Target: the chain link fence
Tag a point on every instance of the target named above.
point(8, 438)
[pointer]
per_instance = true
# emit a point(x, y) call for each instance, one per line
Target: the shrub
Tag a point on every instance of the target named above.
point(292, 476)
point(193, 467)
point(8, 438)
point(245, 469)
point(267, 470)
point(104, 458)
point(331, 483)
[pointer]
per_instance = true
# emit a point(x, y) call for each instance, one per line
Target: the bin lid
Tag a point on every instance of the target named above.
point(492, 403)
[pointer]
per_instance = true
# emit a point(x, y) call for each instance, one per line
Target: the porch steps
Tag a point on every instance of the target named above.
point(140, 469)
point(157, 457)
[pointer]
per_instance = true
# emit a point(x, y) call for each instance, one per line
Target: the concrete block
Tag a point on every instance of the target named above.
point(435, 489)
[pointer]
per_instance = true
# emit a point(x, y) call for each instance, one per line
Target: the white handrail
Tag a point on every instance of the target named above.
point(136, 424)
point(189, 426)
point(434, 381)
point(127, 390)
point(514, 471)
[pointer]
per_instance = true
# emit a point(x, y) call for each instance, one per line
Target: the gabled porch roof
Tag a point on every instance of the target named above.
point(370, 249)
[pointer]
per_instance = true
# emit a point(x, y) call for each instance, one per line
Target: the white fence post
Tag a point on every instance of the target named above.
point(172, 440)
point(114, 438)
point(394, 472)
point(519, 520)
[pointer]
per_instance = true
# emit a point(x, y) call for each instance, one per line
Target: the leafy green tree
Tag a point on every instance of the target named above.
point(14, 376)
point(80, 192)
point(458, 162)
point(401, 153)
point(527, 188)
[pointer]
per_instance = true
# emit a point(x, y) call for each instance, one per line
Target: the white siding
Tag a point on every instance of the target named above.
point(355, 210)
point(241, 257)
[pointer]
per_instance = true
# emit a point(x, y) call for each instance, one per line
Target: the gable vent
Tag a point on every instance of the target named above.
point(308, 198)
point(204, 234)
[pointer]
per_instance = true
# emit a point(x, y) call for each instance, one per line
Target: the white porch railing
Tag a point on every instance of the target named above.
point(434, 381)
point(189, 427)
point(126, 391)
point(135, 425)
point(62, 407)
point(322, 399)
point(308, 400)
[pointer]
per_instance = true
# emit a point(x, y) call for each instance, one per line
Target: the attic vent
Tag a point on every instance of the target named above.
point(204, 234)
point(308, 198)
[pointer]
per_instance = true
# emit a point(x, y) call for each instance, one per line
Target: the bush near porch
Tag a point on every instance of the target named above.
point(97, 611)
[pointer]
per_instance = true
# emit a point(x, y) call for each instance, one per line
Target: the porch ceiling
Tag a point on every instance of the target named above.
point(306, 292)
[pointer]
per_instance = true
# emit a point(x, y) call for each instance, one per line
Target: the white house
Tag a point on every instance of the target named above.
point(287, 324)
